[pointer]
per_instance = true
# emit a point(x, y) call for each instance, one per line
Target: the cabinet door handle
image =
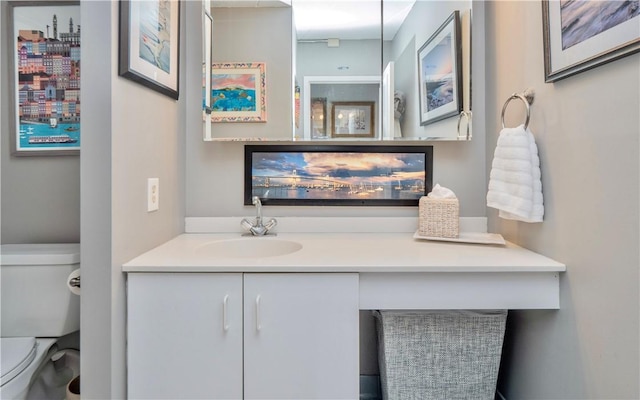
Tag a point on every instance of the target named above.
point(225, 322)
point(258, 325)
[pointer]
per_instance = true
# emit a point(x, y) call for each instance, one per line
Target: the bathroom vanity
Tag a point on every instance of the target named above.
point(224, 316)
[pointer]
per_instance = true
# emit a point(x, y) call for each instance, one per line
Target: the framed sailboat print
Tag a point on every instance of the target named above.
point(150, 44)
point(45, 78)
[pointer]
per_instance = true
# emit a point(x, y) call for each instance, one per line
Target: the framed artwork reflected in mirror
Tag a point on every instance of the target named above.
point(440, 73)
point(319, 118)
point(352, 119)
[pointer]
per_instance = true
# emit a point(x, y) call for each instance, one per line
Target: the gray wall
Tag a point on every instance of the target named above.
point(586, 129)
point(40, 195)
point(136, 133)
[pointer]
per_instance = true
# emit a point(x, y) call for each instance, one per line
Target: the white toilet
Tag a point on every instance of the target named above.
point(37, 308)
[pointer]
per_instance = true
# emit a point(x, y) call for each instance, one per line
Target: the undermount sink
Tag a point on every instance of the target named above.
point(250, 247)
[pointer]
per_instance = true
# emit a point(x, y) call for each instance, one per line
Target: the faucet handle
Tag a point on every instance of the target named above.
point(246, 224)
point(270, 224)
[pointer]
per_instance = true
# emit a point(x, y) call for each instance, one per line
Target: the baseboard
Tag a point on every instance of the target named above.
point(370, 387)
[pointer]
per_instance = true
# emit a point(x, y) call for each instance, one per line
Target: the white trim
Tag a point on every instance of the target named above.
point(327, 225)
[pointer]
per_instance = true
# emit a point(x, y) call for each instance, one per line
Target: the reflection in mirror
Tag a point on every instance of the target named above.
point(331, 50)
point(340, 89)
point(337, 58)
point(319, 117)
point(253, 32)
point(413, 29)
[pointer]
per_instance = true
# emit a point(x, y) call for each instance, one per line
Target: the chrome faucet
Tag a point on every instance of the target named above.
point(257, 228)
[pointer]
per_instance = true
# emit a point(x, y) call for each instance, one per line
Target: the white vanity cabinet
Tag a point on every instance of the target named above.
point(242, 335)
point(177, 344)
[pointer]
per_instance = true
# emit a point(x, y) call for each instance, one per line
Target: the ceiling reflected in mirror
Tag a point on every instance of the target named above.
point(348, 19)
point(341, 19)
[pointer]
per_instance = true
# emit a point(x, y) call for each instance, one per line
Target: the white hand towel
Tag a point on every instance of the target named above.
point(515, 188)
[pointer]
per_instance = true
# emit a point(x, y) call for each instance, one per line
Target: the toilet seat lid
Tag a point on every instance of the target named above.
point(17, 354)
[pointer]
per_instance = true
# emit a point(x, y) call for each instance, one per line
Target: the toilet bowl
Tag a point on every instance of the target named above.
point(37, 309)
point(21, 358)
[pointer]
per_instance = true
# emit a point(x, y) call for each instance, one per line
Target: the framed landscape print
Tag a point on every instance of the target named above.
point(580, 35)
point(440, 73)
point(337, 175)
point(45, 78)
point(238, 92)
point(150, 44)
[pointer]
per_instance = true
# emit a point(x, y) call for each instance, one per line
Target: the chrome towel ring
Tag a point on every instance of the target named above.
point(527, 98)
point(467, 115)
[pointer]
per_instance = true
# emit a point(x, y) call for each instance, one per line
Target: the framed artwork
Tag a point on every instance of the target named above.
point(149, 50)
point(45, 78)
point(337, 175)
point(352, 119)
point(440, 73)
point(318, 117)
point(580, 35)
point(238, 92)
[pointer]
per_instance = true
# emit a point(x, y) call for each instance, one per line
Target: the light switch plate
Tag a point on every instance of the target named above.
point(153, 194)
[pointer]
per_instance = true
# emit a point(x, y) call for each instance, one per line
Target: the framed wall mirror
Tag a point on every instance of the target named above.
point(341, 51)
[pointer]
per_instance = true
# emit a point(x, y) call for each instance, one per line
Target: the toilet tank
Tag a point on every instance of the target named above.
point(35, 298)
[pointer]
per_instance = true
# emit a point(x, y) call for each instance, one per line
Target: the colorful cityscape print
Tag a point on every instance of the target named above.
point(48, 76)
point(338, 175)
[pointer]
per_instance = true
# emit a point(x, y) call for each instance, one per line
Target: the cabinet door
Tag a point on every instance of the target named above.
point(301, 336)
point(184, 336)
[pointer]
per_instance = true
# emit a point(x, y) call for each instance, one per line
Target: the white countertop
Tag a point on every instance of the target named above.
point(343, 252)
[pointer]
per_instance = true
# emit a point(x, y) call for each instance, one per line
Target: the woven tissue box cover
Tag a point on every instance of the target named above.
point(439, 217)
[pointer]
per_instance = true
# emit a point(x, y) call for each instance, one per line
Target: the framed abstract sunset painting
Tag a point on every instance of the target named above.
point(238, 92)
